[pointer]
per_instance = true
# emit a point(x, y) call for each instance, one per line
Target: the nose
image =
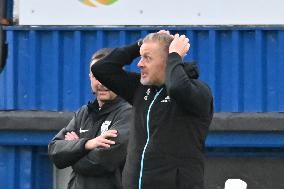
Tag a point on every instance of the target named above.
point(140, 63)
point(99, 83)
point(101, 86)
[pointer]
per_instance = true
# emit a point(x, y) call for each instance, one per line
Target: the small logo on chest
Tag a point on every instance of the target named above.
point(105, 126)
point(147, 94)
point(83, 130)
point(167, 99)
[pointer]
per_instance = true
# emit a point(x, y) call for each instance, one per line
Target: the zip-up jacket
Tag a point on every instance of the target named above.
point(99, 168)
point(165, 147)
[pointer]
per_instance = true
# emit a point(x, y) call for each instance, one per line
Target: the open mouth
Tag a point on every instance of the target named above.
point(143, 75)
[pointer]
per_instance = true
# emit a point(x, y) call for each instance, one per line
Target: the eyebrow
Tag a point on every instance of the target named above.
point(146, 54)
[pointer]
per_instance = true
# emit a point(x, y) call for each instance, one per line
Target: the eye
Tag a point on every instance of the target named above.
point(147, 58)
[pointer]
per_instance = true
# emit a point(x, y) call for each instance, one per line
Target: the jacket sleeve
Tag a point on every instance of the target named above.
point(191, 94)
point(105, 160)
point(109, 71)
point(65, 153)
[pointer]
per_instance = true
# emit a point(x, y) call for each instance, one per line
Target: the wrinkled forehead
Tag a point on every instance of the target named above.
point(162, 43)
point(152, 48)
point(149, 46)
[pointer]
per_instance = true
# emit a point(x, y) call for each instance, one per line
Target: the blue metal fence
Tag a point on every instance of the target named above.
point(47, 67)
point(24, 163)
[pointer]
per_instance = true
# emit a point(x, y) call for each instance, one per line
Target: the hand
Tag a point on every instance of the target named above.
point(71, 136)
point(101, 141)
point(180, 45)
point(165, 32)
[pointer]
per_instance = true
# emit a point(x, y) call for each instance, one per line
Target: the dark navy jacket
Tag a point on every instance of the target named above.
point(171, 122)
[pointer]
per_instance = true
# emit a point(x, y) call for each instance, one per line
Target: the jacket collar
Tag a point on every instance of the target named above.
point(157, 88)
point(107, 107)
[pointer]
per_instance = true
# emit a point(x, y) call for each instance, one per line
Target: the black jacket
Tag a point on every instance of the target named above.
point(166, 152)
point(99, 168)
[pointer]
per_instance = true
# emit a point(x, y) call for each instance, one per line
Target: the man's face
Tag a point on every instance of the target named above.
point(152, 64)
point(103, 94)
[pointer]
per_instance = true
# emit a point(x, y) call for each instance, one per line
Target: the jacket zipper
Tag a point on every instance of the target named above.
point(147, 141)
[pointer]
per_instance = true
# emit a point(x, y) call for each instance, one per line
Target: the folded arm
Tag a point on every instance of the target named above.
point(63, 152)
point(103, 160)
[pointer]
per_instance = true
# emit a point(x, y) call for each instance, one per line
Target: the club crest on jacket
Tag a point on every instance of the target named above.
point(105, 126)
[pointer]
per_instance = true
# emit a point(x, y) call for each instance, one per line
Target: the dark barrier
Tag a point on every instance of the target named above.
point(239, 145)
point(263, 172)
point(247, 146)
point(3, 44)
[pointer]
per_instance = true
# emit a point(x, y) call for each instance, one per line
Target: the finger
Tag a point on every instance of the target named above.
point(176, 35)
point(187, 46)
point(101, 144)
point(111, 131)
point(67, 137)
point(182, 37)
point(70, 136)
point(186, 39)
point(74, 135)
point(106, 141)
point(107, 135)
point(161, 31)
point(164, 31)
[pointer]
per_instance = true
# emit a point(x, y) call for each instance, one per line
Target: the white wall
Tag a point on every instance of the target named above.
point(152, 12)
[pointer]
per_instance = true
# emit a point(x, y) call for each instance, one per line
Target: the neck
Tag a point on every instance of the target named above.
point(160, 83)
point(101, 103)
